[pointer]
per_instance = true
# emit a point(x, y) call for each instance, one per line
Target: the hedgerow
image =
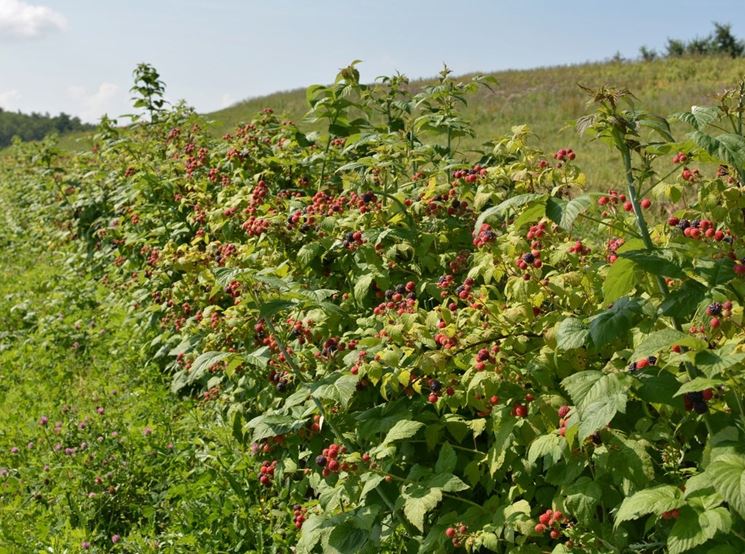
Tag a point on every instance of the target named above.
point(423, 349)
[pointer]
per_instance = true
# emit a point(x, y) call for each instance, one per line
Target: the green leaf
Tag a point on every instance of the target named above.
point(204, 362)
point(598, 398)
point(656, 500)
point(682, 302)
point(571, 333)
point(697, 384)
point(571, 210)
point(555, 209)
point(715, 362)
point(620, 280)
point(716, 272)
point(727, 474)
point(403, 429)
point(699, 116)
point(694, 528)
point(371, 480)
point(341, 390)
point(546, 445)
point(345, 538)
point(580, 383)
point(309, 252)
point(616, 322)
point(418, 501)
point(447, 459)
point(654, 262)
point(362, 286)
point(447, 482)
point(663, 340)
point(581, 497)
point(502, 208)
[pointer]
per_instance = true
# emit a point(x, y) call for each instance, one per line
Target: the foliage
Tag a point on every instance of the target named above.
point(419, 351)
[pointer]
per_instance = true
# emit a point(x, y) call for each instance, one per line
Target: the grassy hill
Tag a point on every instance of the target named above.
point(549, 100)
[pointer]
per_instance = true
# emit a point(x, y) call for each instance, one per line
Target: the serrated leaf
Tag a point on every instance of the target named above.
point(727, 474)
point(654, 262)
point(371, 480)
point(682, 302)
point(418, 501)
point(655, 500)
point(446, 460)
point(546, 445)
point(581, 497)
point(447, 482)
point(663, 340)
point(698, 384)
point(616, 322)
point(571, 333)
point(204, 362)
point(502, 208)
point(715, 362)
point(362, 286)
point(620, 280)
point(403, 429)
point(693, 528)
point(340, 390)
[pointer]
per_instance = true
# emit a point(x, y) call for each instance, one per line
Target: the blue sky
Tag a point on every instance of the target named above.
point(78, 55)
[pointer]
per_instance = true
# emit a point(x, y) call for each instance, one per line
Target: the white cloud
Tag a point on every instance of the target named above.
point(19, 19)
point(9, 98)
point(108, 98)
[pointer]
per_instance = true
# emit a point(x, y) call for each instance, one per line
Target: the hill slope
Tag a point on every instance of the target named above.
point(549, 100)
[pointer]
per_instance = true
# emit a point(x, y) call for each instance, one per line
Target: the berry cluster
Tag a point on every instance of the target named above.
point(680, 158)
point(690, 175)
point(641, 364)
point(300, 331)
point(699, 228)
point(233, 288)
point(457, 534)
point(298, 513)
point(464, 290)
point(670, 514)
point(613, 245)
point(444, 283)
point(551, 521)
point(564, 154)
point(281, 379)
point(470, 175)
point(402, 299)
point(532, 258)
point(579, 248)
point(563, 413)
point(435, 388)
point(485, 235)
point(255, 226)
point(696, 401)
point(329, 460)
point(353, 240)
point(536, 231)
point(485, 356)
point(266, 472)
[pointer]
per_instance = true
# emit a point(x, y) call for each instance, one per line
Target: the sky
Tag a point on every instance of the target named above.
point(77, 56)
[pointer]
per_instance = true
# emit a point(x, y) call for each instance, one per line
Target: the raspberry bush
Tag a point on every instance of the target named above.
point(423, 349)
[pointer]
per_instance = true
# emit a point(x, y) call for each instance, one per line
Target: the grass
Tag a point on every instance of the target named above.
point(120, 457)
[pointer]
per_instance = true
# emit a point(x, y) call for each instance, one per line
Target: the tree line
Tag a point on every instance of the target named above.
point(36, 126)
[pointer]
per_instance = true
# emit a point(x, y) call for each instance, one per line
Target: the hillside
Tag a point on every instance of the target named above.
point(549, 100)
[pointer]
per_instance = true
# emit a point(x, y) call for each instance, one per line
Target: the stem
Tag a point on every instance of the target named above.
point(644, 230)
